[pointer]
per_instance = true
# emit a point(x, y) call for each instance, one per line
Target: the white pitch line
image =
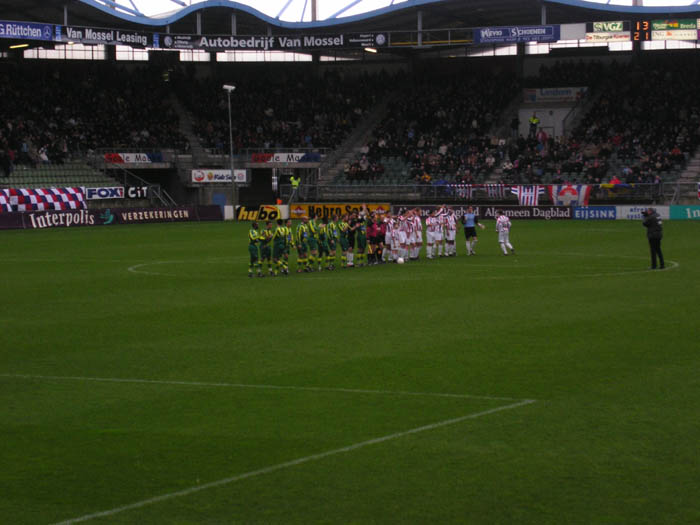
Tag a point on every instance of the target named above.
point(135, 268)
point(292, 463)
point(261, 387)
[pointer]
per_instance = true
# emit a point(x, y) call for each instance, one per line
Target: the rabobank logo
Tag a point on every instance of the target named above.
point(592, 213)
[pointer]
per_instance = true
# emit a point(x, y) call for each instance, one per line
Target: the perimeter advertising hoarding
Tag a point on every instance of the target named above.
point(297, 211)
point(678, 34)
point(26, 31)
point(546, 213)
point(634, 213)
point(595, 213)
point(685, 213)
point(622, 36)
point(96, 35)
point(510, 34)
point(673, 24)
point(68, 219)
point(265, 212)
point(269, 42)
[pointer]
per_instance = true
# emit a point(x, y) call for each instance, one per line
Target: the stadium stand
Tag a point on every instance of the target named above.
point(285, 108)
point(55, 112)
point(436, 131)
point(643, 127)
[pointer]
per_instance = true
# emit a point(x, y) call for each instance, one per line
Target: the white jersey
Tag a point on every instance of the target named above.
point(417, 224)
point(451, 222)
point(431, 224)
point(502, 224)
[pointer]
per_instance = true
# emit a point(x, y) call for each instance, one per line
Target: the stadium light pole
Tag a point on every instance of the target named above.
point(234, 194)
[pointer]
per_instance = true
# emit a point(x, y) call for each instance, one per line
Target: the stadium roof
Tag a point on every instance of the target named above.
point(214, 17)
point(397, 15)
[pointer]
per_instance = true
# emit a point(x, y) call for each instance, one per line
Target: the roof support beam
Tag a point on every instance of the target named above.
point(117, 7)
point(349, 6)
point(283, 9)
point(543, 14)
point(419, 27)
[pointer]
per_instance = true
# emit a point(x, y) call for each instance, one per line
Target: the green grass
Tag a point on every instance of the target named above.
point(607, 349)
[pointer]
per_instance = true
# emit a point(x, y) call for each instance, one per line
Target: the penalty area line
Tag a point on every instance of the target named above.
point(292, 463)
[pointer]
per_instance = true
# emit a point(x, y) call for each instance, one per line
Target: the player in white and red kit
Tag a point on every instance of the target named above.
point(432, 224)
point(417, 234)
point(450, 233)
point(503, 228)
point(440, 215)
point(403, 237)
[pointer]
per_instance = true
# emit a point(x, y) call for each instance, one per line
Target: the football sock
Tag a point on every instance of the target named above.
point(503, 247)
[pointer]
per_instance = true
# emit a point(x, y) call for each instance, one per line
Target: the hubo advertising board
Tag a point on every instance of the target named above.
point(265, 212)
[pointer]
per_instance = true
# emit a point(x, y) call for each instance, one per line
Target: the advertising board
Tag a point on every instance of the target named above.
point(595, 213)
point(40, 220)
point(297, 211)
point(685, 213)
point(546, 213)
point(634, 213)
point(218, 176)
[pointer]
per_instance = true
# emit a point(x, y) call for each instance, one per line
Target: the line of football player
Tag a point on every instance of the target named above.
point(362, 239)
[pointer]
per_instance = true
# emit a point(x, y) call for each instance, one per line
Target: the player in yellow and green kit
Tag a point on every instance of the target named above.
point(265, 248)
point(313, 242)
point(332, 230)
point(253, 249)
point(301, 237)
point(279, 239)
point(289, 242)
point(323, 247)
point(343, 232)
point(361, 236)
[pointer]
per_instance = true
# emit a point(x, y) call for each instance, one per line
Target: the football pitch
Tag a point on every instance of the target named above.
point(146, 379)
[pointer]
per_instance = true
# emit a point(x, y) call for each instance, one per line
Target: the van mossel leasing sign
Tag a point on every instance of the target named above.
point(495, 35)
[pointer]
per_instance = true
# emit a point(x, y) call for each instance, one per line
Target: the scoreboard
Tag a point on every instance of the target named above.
point(669, 29)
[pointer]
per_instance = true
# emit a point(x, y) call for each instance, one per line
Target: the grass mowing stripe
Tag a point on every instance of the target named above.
point(292, 463)
point(270, 387)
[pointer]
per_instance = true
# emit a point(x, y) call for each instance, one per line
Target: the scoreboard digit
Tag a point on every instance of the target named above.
point(642, 31)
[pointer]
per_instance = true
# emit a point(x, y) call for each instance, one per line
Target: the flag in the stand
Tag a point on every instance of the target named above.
point(44, 199)
point(464, 191)
point(496, 191)
point(528, 194)
point(5, 201)
point(698, 190)
point(570, 194)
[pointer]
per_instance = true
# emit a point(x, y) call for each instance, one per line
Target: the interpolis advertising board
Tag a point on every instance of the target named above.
point(40, 220)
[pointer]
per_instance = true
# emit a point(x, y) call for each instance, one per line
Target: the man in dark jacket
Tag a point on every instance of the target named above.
point(653, 223)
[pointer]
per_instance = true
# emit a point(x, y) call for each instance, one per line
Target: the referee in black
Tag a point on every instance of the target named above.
point(653, 223)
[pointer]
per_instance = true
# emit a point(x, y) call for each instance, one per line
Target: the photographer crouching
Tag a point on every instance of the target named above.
point(654, 225)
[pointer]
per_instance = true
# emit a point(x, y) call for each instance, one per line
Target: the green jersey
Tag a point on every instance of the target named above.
point(279, 236)
point(343, 228)
point(289, 235)
point(332, 230)
point(253, 237)
point(313, 229)
point(302, 233)
point(323, 232)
